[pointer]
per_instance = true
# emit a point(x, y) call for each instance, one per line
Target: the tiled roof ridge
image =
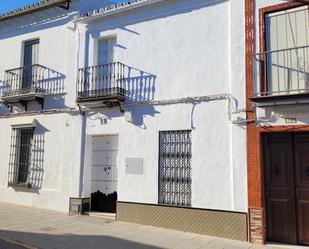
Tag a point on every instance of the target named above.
point(29, 7)
point(115, 7)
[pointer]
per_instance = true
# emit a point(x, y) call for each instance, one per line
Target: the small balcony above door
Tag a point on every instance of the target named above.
point(281, 70)
point(25, 84)
point(281, 77)
point(102, 85)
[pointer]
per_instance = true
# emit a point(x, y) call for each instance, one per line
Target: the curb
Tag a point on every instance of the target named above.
point(17, 243)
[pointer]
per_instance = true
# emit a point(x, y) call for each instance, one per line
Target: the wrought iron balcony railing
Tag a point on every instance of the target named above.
point(101, 82)
point(24, 80)
point(281, 73)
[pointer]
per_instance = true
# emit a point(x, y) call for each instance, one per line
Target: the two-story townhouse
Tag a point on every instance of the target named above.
point(40, 126)
point(138, 108)
point(159, 84)
point(277, 79)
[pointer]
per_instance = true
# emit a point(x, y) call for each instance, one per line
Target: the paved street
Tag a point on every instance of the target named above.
point(9, 245)
point(36, 228)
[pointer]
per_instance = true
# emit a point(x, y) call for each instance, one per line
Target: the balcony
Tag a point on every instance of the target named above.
point(102, 85)
point(24, 84)
point(281, 77)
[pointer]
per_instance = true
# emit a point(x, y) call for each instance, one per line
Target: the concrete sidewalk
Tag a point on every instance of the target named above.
point(46, 229)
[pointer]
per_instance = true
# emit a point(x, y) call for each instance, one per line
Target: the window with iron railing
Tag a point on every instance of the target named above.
point(175, 168)
point(282, 66)
point(25, 80)
point(20, 155)
point(282, 72)
point(101, 81)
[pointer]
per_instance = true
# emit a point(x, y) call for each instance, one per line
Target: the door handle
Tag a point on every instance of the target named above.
point(307, 171)
point(277, 170)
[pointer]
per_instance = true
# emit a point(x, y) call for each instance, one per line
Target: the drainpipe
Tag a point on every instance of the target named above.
point(82, 151)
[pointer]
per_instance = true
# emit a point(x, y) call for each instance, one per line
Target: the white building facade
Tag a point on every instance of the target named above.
point(136, 108)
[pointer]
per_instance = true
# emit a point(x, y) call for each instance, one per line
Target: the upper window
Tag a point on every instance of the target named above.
point(287, 50)
point(175, 168)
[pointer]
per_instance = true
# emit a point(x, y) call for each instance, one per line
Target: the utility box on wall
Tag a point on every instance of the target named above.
point(79, 206)
point(135, 166)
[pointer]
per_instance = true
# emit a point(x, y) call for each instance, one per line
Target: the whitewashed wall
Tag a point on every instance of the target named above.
point(60, 138)
point(184, 48)
point(62, 134)
point(188, 48)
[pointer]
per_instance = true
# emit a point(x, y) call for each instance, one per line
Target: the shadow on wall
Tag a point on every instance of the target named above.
point(140, 85)
point(140, 88)
point(38, 152)
point(141, 112)
point(159, 12)
point(3, 109)
point(48, 241)
point(53, 82)
point(25, 25)
point(3, 87)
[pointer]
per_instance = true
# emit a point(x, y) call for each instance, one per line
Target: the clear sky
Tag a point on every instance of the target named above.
point(7, 5)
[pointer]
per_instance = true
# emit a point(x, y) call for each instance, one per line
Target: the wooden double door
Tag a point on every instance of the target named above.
point(286, 177)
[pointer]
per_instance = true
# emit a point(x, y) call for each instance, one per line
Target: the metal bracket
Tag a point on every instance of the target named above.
point(8, 105)
point(66, 6)
point(40, 101)
point(24, 104)
point(121, 107)
point(80, 110)
point(108, 104)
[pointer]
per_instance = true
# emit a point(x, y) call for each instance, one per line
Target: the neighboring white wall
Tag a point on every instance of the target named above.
point(57, 43)
point(187, 48)
point(61, 143)
point(177, 49)
point(58, 173)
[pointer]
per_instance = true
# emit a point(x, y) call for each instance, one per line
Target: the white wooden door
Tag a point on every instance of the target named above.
point(106, 69)
point(30, 58)
point(104, 164)
point(287, 35)
point(107, 51)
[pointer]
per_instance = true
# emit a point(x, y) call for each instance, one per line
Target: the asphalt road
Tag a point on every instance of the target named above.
point(6, 245)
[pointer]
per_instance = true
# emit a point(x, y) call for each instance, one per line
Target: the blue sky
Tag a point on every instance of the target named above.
point(7, 5)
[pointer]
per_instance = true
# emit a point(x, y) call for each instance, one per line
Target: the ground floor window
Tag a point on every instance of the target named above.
point(175, 168)
point(20, 155)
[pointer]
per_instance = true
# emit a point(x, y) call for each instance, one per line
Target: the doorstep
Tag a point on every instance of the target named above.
point(109, 216)
point(286, 246)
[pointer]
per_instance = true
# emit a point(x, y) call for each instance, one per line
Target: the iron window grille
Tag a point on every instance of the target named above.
point(20, 156)
point(175, 168)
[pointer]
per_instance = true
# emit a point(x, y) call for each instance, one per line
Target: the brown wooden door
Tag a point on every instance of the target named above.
point(279, 188)
point(301, 163)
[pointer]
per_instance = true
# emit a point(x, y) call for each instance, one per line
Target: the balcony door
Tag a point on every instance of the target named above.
point(31, 57)
point(107, 51)
point(106, 70)
point(287, 46)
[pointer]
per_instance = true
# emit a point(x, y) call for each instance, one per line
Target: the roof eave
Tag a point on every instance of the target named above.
point(115, 10)
point(29, 9)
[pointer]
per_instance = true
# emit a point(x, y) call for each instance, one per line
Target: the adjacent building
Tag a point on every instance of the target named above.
point(159, 111)
point(277, 64)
